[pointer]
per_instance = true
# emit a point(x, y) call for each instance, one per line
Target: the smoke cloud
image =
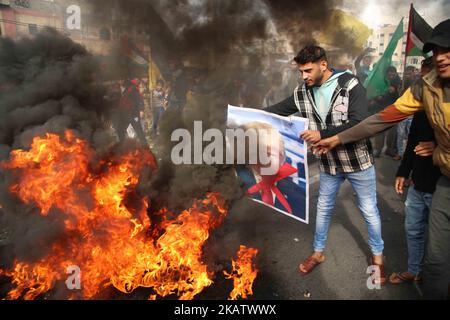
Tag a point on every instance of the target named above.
point(51, 84)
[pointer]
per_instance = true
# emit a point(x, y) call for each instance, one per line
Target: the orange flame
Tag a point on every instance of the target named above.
point(243, 274)
point(104, 237)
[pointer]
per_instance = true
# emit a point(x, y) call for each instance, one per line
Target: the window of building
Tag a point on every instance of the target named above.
point(22, 3)
point(32, 28)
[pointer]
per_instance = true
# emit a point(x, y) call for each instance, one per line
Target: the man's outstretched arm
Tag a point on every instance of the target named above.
point(405, 106)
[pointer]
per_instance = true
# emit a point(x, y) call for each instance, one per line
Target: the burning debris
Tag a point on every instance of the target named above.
point(71, 198)
point(243, 274)
point(107, 236)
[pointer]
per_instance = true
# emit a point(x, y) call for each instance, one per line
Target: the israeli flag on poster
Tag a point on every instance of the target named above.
point(287, 191)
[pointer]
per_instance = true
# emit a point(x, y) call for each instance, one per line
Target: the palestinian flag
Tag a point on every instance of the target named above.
point(419, 31)
point(376, 83)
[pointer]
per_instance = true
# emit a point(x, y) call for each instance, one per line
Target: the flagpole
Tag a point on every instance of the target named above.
point(407, 40)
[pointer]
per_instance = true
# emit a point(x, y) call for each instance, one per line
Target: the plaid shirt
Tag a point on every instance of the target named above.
point(348, 107)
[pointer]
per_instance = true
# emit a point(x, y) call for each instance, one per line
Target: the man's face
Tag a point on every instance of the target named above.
point(441, 57)
point(391, 75)
point(313, 72)
point(409, 74)
point(367, 61)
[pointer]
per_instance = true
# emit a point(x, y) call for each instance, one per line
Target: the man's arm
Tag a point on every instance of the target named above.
point(357, 111)
point(286, 107)
point(405, 106)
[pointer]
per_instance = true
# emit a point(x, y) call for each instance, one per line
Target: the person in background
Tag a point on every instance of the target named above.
point(130, 111)
point(362, 70)
point(403, 127)
point(179, 86)
point(158, 106)
point(387, 138)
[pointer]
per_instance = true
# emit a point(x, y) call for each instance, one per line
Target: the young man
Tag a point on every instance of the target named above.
point(335, 101)
point(432, 94)
point(418, 202)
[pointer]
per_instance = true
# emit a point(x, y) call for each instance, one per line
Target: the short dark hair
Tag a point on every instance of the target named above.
point(311, 54)
point(391, 69)
point(427, 62)
point(159, 81)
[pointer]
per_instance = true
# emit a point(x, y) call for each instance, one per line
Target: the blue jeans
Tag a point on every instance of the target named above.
point(157, 114)
point(364, 184)
point(417, 207)
point(402, 135)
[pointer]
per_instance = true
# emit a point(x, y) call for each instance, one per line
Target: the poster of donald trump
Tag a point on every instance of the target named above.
point(281, 181)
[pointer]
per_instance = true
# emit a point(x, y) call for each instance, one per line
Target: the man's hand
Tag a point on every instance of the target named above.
point(392, 89)
point(425, 149)
point(325, 145)
point(399, 185)
point(311, 136)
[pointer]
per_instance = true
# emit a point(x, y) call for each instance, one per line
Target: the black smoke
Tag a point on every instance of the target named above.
point(48, 84)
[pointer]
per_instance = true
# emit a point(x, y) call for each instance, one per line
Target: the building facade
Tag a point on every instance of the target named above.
point(379, 40)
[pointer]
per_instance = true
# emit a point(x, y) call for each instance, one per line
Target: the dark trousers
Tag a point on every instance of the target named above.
point(391, 141)
point(157, 114)
point(436, 269)
point(122, 122)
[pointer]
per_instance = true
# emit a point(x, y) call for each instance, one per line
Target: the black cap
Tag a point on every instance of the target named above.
point(440, 37)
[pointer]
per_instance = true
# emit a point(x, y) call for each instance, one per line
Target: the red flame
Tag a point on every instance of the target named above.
point(104, 238)
point(243, 274)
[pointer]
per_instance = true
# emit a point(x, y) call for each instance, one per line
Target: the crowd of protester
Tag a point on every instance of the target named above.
point(411, 140)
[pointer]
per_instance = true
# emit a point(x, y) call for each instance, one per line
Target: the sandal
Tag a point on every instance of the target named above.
point(382, 279)
point(404, 277)
point(309, 264)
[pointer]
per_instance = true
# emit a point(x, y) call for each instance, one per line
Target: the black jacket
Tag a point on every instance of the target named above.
point(348, 108)
point(424, 174)
point(357, 108)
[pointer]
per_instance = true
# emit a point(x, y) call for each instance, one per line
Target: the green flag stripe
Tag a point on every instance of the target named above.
point(376, 83)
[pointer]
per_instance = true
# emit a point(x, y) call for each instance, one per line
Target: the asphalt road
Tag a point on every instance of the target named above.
point(283, 243)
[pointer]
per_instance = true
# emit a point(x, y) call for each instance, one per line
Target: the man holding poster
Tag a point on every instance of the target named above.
point(334, 101)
